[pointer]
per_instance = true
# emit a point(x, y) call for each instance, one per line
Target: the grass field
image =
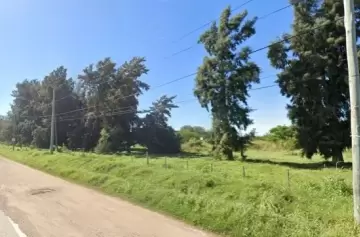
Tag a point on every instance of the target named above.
point(280, 195)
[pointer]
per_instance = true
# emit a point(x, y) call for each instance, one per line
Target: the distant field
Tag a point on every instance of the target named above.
point(215, 195)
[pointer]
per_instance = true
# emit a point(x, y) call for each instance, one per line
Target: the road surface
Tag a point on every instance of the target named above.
point(46, 206)
point(8, 228)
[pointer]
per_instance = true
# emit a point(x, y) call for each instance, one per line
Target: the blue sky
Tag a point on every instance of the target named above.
point(39, 35)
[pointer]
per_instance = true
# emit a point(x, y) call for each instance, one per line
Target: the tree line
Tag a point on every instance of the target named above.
point(100, 109)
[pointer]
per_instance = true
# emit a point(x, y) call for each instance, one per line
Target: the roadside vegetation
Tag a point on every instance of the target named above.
point(315, 200)
point(293, 181)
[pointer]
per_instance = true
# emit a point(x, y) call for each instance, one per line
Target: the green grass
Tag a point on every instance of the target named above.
point(214, 194)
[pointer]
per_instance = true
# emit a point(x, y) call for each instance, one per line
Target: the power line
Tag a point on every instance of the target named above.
point(161, 85)
point(124, 112)
point(193, 74)
point(268, 46)
point(184, 50)
point(274, 12)
point(260, 18)
point(143, 111)
point(112, 113)
point(98, 116)
point(293, 36)
point(118, 110)
point(251, 89)
point(208, 23)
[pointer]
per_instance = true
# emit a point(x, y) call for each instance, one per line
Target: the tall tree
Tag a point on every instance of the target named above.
point(224, 78)
point(111, 95)
point(153, 130)
point(31, 108)
point(314, 76)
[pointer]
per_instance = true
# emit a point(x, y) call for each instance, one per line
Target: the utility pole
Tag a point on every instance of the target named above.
point(354, 87)
point(13, 139)
point(52, 122)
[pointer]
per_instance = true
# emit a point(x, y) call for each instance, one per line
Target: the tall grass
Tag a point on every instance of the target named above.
point(215, 195)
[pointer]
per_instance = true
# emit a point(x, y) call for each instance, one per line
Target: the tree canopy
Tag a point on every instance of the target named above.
point(98, 111)
point(314, 77)
point(224, 78)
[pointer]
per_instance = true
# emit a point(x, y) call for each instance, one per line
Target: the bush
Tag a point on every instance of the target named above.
point(195, 146)
point(103, 145)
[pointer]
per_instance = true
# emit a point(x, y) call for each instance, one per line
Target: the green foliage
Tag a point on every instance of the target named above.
point(188, 133)
point(224, 78)
point(196, 146)
point(314, 77)
point(111, 96)
point(99, 112)
point(281, 133)
point(40, 137)
point(283, 136)
point(318, 202)
point(103, 145)
point(4, 126)
point(154, 133)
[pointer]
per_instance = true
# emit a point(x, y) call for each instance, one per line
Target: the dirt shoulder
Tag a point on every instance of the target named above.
point(46, 206)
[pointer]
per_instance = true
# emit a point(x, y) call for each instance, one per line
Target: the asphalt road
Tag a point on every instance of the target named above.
point(46, 206)
point(7, 228)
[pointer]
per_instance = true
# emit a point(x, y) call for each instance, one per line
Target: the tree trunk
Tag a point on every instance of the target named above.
point(229, 154)
point(337, 156)
point(243, 156)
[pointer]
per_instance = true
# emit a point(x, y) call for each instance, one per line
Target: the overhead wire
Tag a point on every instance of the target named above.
point(193, 31)
point(260, 18)
point(192, 74)
point(115, 112)
point(293, 36)
point(91, 107)
point(209, 22)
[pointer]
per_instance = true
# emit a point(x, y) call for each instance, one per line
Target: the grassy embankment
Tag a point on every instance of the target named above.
point(214, 194)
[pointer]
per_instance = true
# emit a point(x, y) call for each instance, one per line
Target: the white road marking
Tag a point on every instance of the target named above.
point(16, 228)
point(8, 228)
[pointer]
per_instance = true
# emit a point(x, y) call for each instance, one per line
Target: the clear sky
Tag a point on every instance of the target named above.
point(37, 36)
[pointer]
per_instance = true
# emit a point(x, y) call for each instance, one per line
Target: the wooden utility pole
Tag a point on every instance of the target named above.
point(354, 87)
point(52, 122)
point(13, 139)
point(56, 134)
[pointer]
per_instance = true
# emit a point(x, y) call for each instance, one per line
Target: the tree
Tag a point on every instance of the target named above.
point(31, 109)
point(314, 76)
point(285, 136)
point(4, 125)
point(224, 78)
point(98, 112)
point(282, 133)
point(111, 94)
point(188, 132)
point(153, 130)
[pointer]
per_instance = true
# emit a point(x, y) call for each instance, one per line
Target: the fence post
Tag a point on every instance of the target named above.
point(288, 178)
point(187, 163)
point(337, 162)
point(147, 158)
